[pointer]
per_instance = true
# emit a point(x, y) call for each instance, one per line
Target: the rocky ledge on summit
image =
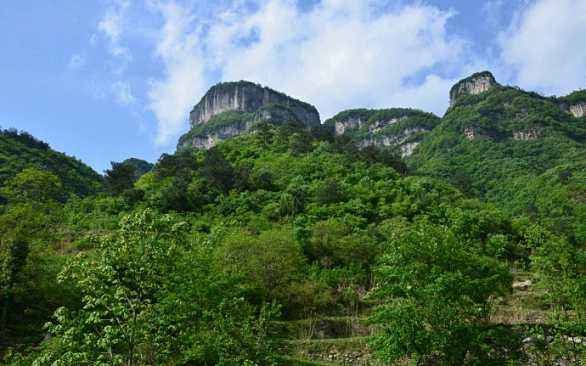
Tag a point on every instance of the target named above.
point(472, 85)
point(232, 108)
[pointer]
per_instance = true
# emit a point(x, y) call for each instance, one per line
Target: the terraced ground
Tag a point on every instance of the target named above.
point(327, 341)
point(343, 340)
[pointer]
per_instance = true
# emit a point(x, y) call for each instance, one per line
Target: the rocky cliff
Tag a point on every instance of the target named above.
point(244, 96)
point(400, 128)
point(472, 85)
point(578, 110)
point(231, 109)
point(575, 103)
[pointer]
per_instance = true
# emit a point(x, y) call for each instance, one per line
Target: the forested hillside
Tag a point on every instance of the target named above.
point(289, 244)
point(20, 150)
point(519, 150)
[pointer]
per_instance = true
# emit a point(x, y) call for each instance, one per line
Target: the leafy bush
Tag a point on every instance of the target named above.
point(436, 289)
point(150, 297)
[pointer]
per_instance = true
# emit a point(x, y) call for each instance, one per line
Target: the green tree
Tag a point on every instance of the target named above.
point(268, 262)
point(120, 178)
point(151, 297)
point(560, 267)
point(34, 185)
point(13, 255)
point(436, 290)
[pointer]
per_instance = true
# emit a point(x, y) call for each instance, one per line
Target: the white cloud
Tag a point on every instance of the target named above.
point(546, 46)
point(494, 10)
point(122, 93)
point(344, 54)
point(340, 54)
point(179, 50)
point(112, 26)
point(76, 62)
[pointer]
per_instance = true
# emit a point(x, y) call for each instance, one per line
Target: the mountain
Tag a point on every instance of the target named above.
point(299, 245)
point(496, 142)
point(515, 148)
point(233, 108)
point(400, 128)
point(19, 150)
point(139, 166)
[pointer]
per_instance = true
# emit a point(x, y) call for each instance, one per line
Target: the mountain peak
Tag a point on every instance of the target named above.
point(474, 84)
point(230, 109)
point(246, 96)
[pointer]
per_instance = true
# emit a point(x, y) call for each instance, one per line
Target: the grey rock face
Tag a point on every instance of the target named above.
point(472, 85)
point(398, 140)
point(578, 110)
point(400, 128)
point(469, 133)
point(231, 109)
point(354, 122)
point(348, 124)
point(208, 140)
point(527, 135)
point(245, 96)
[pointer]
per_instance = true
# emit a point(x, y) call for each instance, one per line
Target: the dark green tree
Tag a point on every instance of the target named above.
point(436, 290)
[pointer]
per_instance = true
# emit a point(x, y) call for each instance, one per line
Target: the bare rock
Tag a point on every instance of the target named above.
point(522, 285)
point(244, 96)
point(578, 110)
point(472, 85)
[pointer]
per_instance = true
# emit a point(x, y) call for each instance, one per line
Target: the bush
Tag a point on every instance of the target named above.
point(436, 290)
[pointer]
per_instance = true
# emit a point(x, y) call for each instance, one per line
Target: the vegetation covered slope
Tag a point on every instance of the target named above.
point(20, 150)
point(399, 128)
point(288, 246)
point(516, 149)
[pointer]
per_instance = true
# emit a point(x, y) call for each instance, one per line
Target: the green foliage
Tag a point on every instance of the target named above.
point(560, 267)
point(234, 119)
point(539, 177)
point(578, 96)
point(34, 186)
point(187, 262)
point(269, 262)
point(19, 151)
point(149, 297)
point(122, 176)
point(436, 288)
point(28, 268)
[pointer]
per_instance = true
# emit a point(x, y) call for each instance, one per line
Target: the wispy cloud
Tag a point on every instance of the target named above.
point(545, 46)
point(122, 93)
point(76, 62)
point(112, 26)
point(179, 49)
point(337, 55)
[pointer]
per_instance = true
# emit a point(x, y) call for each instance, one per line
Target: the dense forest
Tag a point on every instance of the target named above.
point(289, 245)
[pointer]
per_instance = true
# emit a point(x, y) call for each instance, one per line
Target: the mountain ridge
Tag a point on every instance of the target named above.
point(229, 109)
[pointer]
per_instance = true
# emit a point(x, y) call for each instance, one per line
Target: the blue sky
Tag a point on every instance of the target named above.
point(105, 80)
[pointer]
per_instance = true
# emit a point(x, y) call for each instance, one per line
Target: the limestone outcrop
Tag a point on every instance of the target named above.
point(472, 85)
point(527, 135)
point(231, 109)
point(400, 128)
point(574, 103)
point(244, 96)
point(578, 110)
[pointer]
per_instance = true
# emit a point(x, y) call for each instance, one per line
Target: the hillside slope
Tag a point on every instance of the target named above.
point(20, 150)
point(520, 150)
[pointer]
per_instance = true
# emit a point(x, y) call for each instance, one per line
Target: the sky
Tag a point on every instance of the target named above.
point(105, 80)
